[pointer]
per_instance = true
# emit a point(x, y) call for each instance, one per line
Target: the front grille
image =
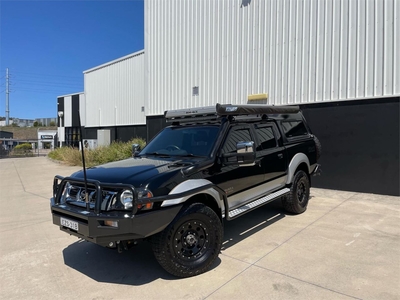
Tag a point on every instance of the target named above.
point(76, 195)
point(101, 196)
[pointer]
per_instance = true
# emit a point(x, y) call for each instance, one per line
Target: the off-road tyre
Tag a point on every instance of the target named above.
point(318, 147)
point(191, 243)
point(297, 200)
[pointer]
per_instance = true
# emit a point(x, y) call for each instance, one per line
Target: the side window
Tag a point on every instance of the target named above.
point(294, 128)
point(266, 138)
point(236, 135)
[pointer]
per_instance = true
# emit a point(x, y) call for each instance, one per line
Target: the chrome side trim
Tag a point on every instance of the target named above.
point(254, 193)
point(258, 202)
point(294, 163)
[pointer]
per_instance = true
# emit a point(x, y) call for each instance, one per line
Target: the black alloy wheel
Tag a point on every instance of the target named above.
point(191, 243)
point(190, 240)
point(297, 200)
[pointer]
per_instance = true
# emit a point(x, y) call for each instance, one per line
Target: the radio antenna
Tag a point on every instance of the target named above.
point(83, 162)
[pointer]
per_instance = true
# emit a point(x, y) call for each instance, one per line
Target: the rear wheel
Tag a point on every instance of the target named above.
point(297, 200)
point(191, 243)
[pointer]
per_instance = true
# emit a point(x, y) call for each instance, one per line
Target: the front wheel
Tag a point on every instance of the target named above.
point(297, 200)
point(191, 243)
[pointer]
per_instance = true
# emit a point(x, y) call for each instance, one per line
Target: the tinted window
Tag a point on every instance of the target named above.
point(294, 128)
point(236, 135)
point(183, 141)
point(265, 137)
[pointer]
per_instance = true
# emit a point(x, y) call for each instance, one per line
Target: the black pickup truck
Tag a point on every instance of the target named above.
point(210, 165)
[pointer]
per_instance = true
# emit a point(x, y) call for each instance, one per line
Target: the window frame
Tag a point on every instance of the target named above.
point(236, 127)
point(274, 132)
point(297, 137)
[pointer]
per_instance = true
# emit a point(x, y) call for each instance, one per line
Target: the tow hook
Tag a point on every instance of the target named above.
point(125, 245)
point(121, 245)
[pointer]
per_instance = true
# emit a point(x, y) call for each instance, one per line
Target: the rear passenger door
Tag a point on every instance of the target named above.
point(239, 182)
point(272, 155)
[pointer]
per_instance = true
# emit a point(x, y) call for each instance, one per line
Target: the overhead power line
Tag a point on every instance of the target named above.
point(47, 91)
point(46, 75)
point(46, 83)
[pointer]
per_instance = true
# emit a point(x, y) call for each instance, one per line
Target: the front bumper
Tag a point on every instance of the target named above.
point(91, 225)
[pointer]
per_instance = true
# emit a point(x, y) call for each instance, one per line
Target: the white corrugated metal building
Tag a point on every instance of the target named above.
point(115, 92)
point(115, 99)
point(296, 51)
point(338, 59)
point(111, 107)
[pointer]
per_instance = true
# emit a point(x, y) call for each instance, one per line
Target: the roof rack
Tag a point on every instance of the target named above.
point(210, 113)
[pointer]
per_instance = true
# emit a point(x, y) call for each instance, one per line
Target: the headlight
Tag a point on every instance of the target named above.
point(66, 192)
point(142, 194)
point(126, 199)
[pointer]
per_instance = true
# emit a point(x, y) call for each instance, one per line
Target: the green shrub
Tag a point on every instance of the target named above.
point(22, 150)
point(25, 146)
point(101, 155)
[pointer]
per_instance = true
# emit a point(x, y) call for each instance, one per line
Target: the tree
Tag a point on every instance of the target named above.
point(52, 123)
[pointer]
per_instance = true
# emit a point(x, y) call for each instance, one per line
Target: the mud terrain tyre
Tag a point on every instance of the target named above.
point(191, 243)
point(297, 200)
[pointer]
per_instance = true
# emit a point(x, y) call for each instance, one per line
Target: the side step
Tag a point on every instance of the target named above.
point(256, 203)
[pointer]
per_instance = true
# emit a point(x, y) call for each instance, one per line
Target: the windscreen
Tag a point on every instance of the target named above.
point(182, 141)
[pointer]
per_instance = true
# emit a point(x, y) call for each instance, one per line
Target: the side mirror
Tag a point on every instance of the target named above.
point(135, 149)
point(245, 147)
point(244, 155)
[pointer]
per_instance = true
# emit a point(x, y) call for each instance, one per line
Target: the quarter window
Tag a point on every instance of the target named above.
point(294, 128)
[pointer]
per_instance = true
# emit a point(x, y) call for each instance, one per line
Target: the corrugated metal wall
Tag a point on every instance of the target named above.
point(114, 92)
point(301, 51)
point(67, 117)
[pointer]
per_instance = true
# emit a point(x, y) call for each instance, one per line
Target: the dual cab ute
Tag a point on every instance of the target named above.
point(211, 165)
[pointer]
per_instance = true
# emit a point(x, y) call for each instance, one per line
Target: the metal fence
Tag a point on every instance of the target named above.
point(8, 148)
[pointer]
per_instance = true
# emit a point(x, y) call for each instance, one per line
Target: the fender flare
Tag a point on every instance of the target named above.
point(298, 159)
point(191, 184)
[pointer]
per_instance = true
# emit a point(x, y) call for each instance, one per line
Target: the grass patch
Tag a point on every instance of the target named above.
point(100, 155)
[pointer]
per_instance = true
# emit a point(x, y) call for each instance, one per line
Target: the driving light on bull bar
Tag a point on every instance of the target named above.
point(126, 198)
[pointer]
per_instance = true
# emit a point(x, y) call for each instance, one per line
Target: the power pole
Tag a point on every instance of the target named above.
point(7, 98)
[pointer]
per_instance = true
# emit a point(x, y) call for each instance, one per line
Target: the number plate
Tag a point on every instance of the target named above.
point(68, 223)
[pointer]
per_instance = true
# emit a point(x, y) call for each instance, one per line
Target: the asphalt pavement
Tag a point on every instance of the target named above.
point(345, 246)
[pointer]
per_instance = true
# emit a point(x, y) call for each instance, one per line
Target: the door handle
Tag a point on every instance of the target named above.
point(280, 155)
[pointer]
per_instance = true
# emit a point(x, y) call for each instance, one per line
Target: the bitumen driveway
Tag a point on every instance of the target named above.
point(345, 246)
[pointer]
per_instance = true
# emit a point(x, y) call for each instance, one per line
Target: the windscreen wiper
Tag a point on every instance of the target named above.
point(189, 155)
point(156, 154)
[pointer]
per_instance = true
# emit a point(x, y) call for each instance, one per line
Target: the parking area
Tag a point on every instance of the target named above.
point(345, 246)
